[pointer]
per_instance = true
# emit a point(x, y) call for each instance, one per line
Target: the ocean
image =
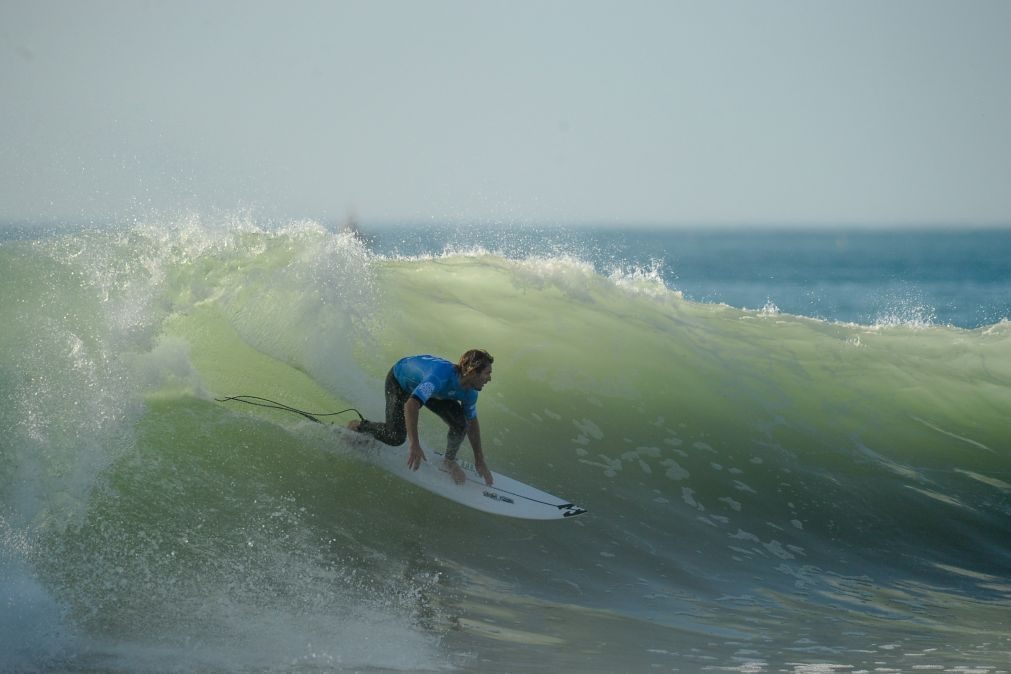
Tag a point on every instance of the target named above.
point(794, 447)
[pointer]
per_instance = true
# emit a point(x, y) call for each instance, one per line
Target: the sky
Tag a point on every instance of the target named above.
point(630, 112)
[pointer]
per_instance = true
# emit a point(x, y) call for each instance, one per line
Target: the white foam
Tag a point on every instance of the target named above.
point(255, 638)
point(641, 280)
point(32, 623)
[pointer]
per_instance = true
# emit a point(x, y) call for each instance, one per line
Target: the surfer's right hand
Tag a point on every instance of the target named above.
point(415, 456)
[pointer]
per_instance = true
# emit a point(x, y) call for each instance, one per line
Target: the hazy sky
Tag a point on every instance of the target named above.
point(875, 112)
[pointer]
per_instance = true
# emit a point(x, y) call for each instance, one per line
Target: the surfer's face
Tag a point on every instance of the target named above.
point(480, 378)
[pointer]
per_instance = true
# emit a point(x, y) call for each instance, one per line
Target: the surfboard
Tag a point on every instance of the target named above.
point(506, 496)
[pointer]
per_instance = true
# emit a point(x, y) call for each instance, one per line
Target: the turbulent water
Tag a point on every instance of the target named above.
point(768, 492)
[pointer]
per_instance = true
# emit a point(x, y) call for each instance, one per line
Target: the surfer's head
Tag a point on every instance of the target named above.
point(475, 368)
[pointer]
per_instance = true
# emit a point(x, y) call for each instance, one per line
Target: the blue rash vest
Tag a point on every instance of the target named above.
point(433, 377)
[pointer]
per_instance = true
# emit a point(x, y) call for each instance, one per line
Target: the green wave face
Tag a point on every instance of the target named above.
point(721, 452)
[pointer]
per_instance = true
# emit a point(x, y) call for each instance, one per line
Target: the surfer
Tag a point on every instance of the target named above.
point(448, 390)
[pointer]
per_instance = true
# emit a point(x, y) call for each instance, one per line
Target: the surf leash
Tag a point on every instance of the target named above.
point(274, 405)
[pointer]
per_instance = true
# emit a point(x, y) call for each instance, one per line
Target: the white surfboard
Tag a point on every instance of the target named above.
point(506, 496)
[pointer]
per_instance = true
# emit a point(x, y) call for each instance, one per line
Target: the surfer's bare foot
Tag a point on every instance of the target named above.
point(455, 471)
point(354, 424)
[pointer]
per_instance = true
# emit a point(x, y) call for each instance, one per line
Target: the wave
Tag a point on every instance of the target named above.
point(721, 452)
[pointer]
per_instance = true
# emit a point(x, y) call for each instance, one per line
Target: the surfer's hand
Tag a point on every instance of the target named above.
point(415, 456)
point(482, 468)
point(455, 471)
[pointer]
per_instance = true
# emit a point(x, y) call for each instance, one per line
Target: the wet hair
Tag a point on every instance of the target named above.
point(474, 360)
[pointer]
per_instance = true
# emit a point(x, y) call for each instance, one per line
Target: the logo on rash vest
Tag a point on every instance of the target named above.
point(426, 390)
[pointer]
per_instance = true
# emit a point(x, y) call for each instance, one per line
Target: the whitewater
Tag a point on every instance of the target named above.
point(768, 490)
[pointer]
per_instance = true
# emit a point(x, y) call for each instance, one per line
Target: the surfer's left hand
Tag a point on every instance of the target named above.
point(482, 468)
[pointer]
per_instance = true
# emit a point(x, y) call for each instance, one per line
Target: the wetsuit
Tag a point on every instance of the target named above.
point(436, 385)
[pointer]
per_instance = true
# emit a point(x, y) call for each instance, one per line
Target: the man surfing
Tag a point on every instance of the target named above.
point(448, 390)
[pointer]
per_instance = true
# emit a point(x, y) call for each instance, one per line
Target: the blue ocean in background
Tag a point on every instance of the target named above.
point(949, 277)
point(794, 446)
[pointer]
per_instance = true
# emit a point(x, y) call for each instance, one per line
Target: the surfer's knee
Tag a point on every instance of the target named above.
point(384, 433)
point(397, 436)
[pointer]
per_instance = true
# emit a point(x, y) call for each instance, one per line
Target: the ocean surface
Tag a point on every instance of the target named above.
point(795, 450)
